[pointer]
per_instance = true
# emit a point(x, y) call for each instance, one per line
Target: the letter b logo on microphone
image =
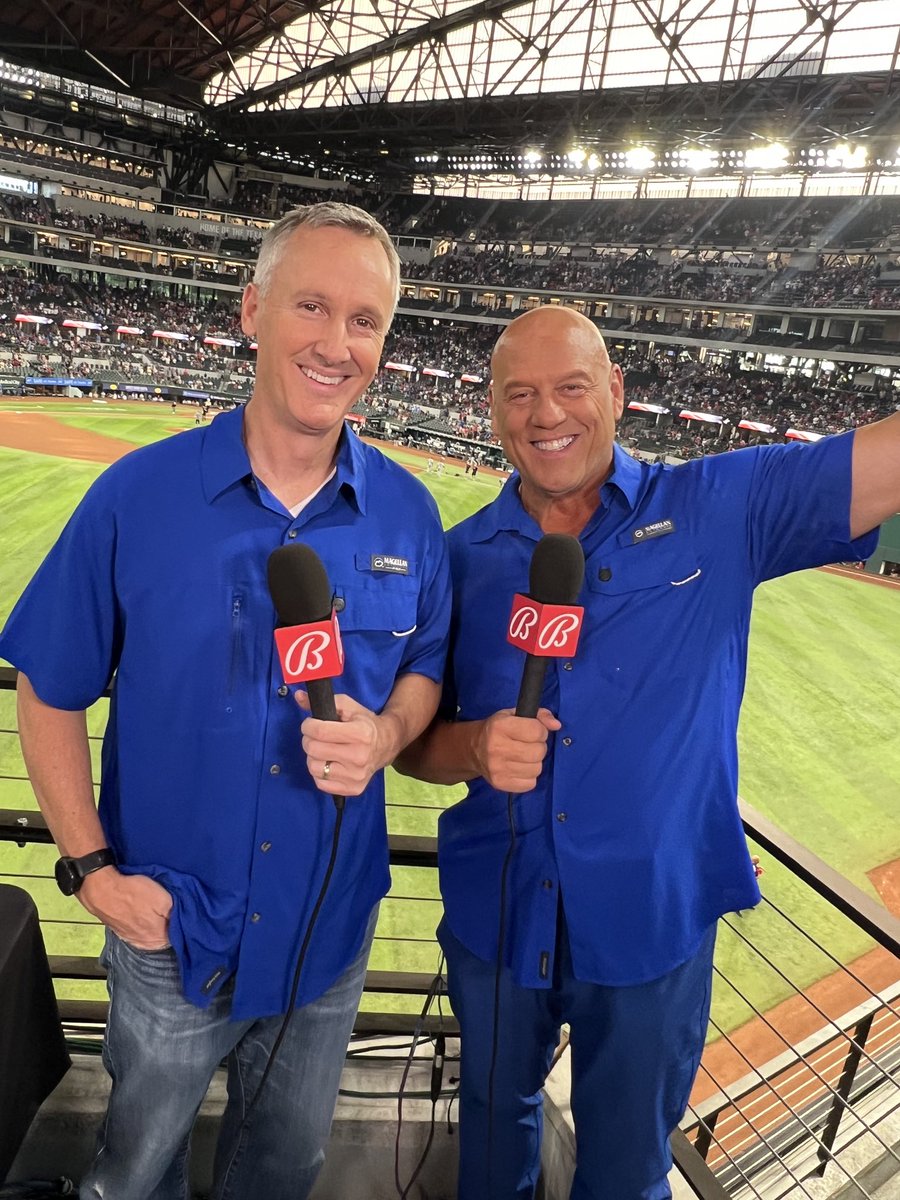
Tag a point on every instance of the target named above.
point(544, 630)
point(312, 651)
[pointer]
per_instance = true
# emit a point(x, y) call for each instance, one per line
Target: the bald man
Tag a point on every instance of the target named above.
point(628, 844)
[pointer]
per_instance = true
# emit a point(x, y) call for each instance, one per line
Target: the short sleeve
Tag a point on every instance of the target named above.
point(65, 631)
point(799, 508)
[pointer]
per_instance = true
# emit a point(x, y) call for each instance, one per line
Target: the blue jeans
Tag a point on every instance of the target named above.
point(161, 1053)
point(634, 1054)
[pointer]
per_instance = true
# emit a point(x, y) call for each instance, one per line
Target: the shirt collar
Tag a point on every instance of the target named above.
point(224, 459)
point(507, 512)
point(626, 476)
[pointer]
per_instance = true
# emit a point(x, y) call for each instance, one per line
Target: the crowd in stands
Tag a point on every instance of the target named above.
point(640, 275)
point(859, 284)
point(783, 401)
point(434, 406)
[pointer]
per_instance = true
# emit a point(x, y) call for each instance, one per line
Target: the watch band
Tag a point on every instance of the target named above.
point(94, 861)
point(71, 872)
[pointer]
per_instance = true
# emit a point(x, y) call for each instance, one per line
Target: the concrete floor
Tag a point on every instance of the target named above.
point(360, 1162)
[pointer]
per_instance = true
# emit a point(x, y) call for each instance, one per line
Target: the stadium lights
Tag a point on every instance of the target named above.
point(576, 156)
point(640, 158)
point(593, 162)
point(771, 157)
point(847, 158)
point(532, 158)
point(696, 159)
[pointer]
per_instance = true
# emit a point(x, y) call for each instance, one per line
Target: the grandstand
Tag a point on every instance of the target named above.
point(721, 197)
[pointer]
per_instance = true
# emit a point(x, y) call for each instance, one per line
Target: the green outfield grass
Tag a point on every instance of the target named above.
point(820, 733)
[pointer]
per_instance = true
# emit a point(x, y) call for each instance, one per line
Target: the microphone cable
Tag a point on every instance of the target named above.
point(300, 589)
point(498, 970)
point(435, 991)
point(556, 574)
point(295, 984)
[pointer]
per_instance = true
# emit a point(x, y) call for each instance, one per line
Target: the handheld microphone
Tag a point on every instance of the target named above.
point(309, 647)
point(546, 623)
point(308, 640)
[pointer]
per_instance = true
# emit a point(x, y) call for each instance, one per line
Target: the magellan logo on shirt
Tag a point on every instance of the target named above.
point(653, 530)
point(389, 562)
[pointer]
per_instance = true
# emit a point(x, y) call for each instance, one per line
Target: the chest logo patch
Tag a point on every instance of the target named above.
point(390, 562)
point(654, 530)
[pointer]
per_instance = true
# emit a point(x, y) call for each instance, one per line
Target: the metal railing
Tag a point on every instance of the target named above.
point(803, 1097)
point(775, 1113)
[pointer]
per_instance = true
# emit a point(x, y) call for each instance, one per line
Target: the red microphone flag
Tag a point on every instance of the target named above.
point(544, 630)
point(311, 651)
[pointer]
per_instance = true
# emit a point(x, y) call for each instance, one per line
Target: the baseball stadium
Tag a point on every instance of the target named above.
point(716, 186)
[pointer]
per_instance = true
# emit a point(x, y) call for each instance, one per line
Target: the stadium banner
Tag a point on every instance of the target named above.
point(57, 381)
point(639, 406)
point(688, 415)
point(804, 435)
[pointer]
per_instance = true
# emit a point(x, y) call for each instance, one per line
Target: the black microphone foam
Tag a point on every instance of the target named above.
point(557, 569)
point(555, 577)
point(299, 585)
point(301, 593)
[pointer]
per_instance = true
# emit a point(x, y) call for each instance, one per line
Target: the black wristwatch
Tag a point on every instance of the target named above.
point(71, 872)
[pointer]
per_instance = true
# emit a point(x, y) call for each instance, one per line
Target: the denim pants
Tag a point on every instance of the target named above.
point(161, 1053)
point(634, 1054)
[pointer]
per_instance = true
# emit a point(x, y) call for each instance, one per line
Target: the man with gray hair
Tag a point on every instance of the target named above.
point(206, 859)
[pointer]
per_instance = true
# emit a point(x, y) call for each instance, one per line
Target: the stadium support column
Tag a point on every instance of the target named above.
point(187, 166)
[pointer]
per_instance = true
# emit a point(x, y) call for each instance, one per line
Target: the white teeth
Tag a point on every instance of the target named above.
point(331, 380)
point(558, 444)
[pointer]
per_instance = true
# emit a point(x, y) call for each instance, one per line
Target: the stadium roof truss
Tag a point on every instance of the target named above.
point(367, 78)
point(354, 52)
point(356, 75)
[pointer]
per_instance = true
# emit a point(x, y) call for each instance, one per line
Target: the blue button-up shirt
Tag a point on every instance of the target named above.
point(634, 818)
point(160, 578)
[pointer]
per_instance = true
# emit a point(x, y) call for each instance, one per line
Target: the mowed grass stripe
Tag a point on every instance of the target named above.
point(126, 426)
point(819, 732)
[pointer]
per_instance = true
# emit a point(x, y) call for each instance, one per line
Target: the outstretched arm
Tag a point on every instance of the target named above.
point(876, 475)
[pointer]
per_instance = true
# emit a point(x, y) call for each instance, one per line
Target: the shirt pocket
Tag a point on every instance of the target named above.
point(377, 620)
point(669, 563)
point(644, 602)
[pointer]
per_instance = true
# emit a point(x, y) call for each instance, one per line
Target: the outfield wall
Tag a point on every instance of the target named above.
point(888, 546)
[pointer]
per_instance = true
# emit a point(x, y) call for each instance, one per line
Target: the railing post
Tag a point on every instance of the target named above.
point(705, 1131)
point(844, 1087)
point(694, 1170)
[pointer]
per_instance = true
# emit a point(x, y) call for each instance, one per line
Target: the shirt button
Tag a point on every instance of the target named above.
point(548, 884)
point(567, 666)
point(561, 816)
point(266, 847)
point(604, 574)
point(567, 741)
point(292, 534)
point(254, 917)
point(339, 604)
point(274, 769)
point(283, 690)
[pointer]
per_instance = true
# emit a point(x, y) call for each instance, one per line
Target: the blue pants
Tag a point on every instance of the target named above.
point(635, 1052)
point(161, 1053)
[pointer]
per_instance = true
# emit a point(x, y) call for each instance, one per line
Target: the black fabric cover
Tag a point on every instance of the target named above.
point(33, 1056)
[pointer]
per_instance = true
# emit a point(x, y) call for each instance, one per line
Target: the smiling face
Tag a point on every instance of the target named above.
point(555, 400)
point(320, 325)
